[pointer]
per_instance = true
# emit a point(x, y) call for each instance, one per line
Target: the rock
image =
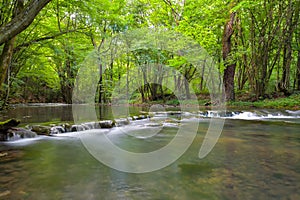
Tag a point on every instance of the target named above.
point(107, 124)
point(142, 117)
point(22, 133)
point(134, 117)
point(85, 127)
point(4, 126)
point(5, 193)
point(139, 117)
point(3, 136)
point(41, 130)
point(3, 154)
point(91, 125)
point(67, 127)
point(174, 113)
point(75, 128)
point(121, 122)
point(57, 129)
point(129, 119)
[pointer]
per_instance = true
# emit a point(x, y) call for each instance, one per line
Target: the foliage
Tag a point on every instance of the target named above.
point(48, 54)
point(291, 102)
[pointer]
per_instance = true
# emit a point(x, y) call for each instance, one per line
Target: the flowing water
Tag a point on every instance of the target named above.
point(256, 157)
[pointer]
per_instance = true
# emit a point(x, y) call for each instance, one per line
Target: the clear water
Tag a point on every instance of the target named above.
point(253, 159)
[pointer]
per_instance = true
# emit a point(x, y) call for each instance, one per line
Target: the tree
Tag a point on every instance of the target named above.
point(21, 19)
point(230, 65)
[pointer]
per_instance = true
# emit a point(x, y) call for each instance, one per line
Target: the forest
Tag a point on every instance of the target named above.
point(43, 43)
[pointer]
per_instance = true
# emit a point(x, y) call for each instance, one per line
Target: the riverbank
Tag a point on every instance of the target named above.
point(290, 103)
point(242, 101)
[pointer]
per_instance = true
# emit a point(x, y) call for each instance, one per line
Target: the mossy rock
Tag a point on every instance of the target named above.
point(41, 130)
point(4, 126)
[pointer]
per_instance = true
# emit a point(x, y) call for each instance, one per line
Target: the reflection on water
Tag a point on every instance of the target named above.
point(252, 160)
point(37, 113)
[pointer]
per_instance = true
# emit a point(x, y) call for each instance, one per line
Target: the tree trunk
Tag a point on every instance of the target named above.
point(229, 71)
point(22, 20)
point(7, 52)
point(287, 59)
point(100, 83)
point(298, 71)
point(201, 85)
point(291, 23)
point(187, 89)
point(5, 59)
point(242, 75)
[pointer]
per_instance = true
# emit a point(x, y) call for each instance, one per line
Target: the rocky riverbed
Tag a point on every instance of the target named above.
point(9, 130)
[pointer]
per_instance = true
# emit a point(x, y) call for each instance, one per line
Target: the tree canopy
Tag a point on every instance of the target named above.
point(255, 45)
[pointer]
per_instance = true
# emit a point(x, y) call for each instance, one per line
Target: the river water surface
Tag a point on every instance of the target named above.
point(256, 157)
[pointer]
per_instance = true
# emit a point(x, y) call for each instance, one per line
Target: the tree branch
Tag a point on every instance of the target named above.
point(18, 48)
point(22, 20)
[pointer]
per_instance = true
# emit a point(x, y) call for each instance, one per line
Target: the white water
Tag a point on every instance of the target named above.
point(254, 115)
point(151, 126)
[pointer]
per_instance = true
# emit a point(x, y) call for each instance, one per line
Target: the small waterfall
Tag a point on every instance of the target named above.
point(252, 115)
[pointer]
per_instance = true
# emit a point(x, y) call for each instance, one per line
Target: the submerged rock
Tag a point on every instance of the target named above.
point(200, 168)
point(154, 124)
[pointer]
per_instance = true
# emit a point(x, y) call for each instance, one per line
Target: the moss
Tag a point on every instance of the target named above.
point(292, 102)
point(8, 124)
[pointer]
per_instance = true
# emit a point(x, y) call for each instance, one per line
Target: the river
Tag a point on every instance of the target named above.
point(256, 157)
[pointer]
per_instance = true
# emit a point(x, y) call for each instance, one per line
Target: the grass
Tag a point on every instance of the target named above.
point(292, 102)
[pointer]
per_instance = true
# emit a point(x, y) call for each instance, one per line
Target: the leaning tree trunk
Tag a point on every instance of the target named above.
point(229, 71)
point(7, 52)
point(22, 20)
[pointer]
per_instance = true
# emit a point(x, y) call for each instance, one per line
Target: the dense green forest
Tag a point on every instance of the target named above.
point(254, 43)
